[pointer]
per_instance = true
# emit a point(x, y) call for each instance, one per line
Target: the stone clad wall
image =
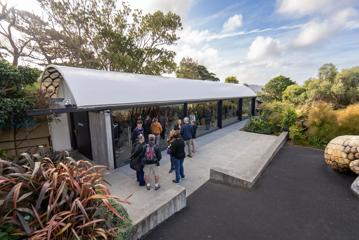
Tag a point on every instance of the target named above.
point(341, 151)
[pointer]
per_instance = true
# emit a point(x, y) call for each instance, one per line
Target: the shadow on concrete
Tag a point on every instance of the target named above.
point(297, 197)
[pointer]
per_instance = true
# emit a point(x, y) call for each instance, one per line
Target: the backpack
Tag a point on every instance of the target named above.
point(150, 154)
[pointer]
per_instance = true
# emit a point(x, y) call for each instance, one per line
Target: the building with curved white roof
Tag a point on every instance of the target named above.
point(98, 110)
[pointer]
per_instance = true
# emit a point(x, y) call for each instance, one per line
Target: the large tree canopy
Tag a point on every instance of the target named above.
point(339, 89)
point(98, 34)
point(189, 68)
point(274, 89)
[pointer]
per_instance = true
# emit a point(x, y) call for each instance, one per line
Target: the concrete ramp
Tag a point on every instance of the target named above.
point(230, 155)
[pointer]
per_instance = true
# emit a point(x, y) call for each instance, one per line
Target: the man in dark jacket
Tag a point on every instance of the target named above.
point(137, 132)
point(178, 154)
point(151, 161)
point(187, 134)
point(136, 163)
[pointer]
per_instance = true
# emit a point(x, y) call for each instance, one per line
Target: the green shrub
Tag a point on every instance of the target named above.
point(297, 134)
point(289, 117)
point(258, 125)
point(124, 226)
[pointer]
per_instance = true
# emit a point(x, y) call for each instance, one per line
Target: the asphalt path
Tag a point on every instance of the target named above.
point(297, 197)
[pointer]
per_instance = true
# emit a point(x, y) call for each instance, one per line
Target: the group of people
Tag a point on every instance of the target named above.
point(146, 152)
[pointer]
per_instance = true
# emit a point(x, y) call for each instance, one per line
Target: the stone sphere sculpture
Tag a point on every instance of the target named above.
point(354, 166)
point(342, 153)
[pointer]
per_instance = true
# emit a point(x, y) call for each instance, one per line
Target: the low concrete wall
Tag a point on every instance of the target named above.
point(164, 211)
point(232, 178)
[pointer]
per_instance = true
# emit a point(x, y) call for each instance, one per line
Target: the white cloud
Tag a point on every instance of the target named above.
point(302, 7)
point(233, 23)
point(317, 30)
point(264, 48)
point(190, 36)
point(299, 8)
point(180, 7)
point(312, 33)
point(205, 55)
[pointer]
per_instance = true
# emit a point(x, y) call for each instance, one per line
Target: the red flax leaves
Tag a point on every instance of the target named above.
point(44, 199)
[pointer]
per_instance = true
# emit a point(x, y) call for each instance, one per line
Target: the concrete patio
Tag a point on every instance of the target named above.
point(242, 153)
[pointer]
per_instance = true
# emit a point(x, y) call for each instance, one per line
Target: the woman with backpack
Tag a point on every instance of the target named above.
point(178, 153)
point(151, 162)
point(137, 154)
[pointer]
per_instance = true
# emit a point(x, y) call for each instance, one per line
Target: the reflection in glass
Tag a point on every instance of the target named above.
point(246, 108)
point(124, 121)
point(205, 115)
point(229, 112)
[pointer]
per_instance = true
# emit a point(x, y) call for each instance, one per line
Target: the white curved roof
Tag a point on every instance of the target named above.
point(89, 88)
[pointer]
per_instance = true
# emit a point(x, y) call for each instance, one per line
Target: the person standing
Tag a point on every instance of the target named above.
point(136, 159)
point(156, 129)
point(147, 127)
point(194, 134)
point(151, 162)
point(163, 121)
point(137, 132)
point(178, 152)
point(178, 125)
point(170, 139)
point(187, 133)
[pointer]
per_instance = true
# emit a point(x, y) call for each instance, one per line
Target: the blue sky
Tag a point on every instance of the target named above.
point(266, 38)
point(256, 40)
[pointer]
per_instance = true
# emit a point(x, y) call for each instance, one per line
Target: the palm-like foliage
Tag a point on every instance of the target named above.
point(41, 198)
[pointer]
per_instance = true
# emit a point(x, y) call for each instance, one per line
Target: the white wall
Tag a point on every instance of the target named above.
point(60, 133)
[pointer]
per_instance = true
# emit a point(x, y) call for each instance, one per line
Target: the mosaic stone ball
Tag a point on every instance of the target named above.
point(341, 152)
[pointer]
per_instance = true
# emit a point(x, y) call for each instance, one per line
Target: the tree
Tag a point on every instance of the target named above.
point(11, 44)
point(345, 88)
point(294, 94)
point(327, 72)
point(14, 100)
point(231, 79)
point(98, 34)
point(189, 68)
point(339, 89)
point(274, 89)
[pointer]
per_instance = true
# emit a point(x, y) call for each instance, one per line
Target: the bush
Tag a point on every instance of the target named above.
point(124, 227)
point(348, 120)
point(289, 117)
point(280, 115)
point(297, 134)
point(258, 125)
point(322, 123)
point(66, 199)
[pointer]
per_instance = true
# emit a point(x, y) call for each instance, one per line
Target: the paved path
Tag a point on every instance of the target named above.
point(298, 197)
point(217, 149)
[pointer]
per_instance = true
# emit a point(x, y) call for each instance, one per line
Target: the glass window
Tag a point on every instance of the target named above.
point(205, 115)
point(246, 108)
point(124, 122)
point(229, 112)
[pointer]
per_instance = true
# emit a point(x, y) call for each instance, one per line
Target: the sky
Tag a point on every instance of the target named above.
point(258, 40)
